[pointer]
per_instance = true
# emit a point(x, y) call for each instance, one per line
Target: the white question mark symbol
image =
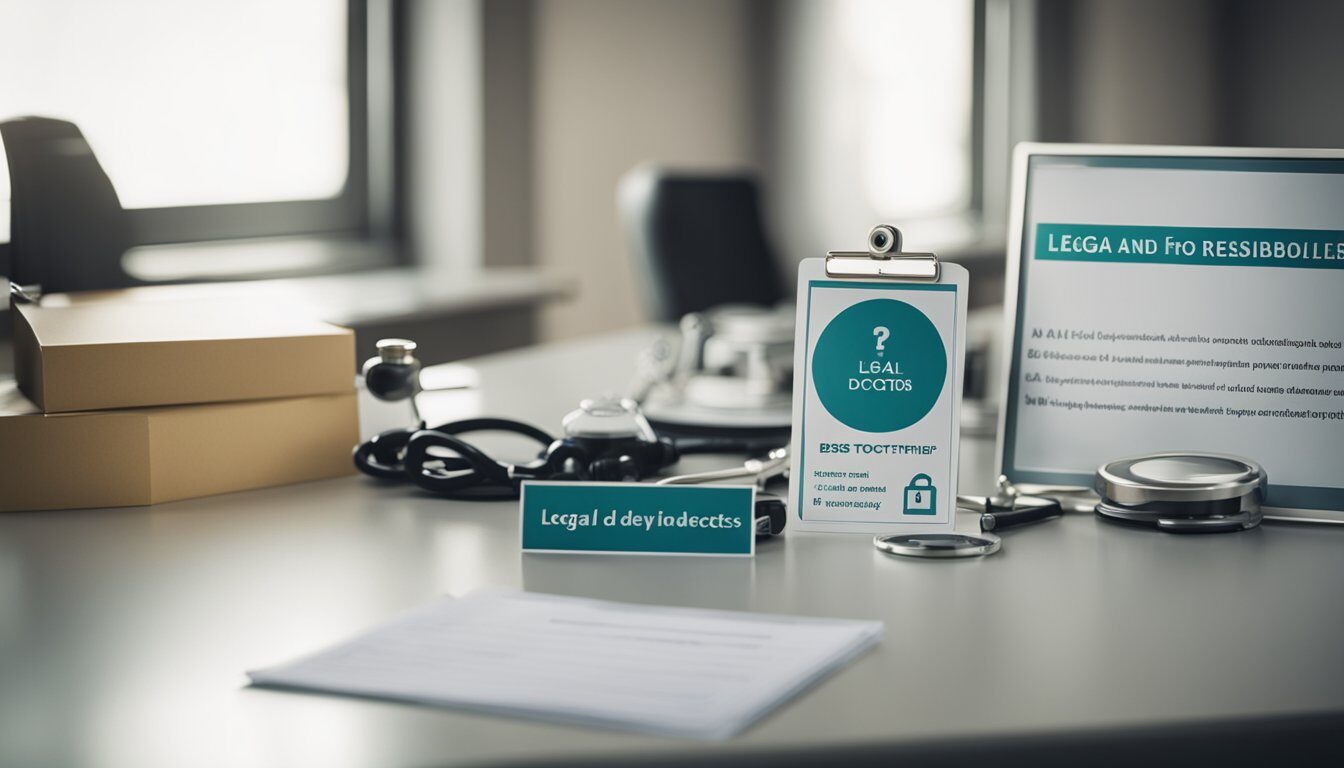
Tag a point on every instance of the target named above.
point(882, 335)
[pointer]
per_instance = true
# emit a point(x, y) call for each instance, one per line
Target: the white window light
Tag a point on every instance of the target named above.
point(188, 103)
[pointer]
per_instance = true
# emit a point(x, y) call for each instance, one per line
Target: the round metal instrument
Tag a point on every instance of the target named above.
point(1183, 492)
point(938, 544)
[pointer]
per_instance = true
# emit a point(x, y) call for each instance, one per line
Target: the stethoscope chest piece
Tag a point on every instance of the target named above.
point(1182, 492)
point(938, 545)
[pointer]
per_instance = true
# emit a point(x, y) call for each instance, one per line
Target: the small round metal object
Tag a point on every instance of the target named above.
point(940, 545)
point(396, 350)
point(883, 241)
point(1183, 492)
point(1178, 477)
point(608, 417)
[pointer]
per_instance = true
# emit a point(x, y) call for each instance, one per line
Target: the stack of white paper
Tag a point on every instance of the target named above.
point(695, 673)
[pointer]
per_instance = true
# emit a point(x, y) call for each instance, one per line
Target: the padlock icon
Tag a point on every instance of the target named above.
point(921, 498)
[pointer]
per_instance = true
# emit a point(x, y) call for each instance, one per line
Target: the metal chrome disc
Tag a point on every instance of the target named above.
point(1183, 492)
point(1239, 521)
point(938, 544)
point(1178, 477)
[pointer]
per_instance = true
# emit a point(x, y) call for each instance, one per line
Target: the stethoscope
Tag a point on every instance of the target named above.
point(1176, 492)
point(604, 439)
point(1010, 506)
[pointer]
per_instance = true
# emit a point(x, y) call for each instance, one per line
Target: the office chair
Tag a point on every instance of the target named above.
point(697, 241)
point(67, 228)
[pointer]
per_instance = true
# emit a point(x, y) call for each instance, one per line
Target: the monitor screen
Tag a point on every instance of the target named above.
point(1180, 303)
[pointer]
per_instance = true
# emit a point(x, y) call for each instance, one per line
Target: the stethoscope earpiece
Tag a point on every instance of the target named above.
point(395, 373)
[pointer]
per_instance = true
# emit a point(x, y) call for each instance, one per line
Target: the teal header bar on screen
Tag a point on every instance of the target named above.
point(1230, 246)
point(638, 519)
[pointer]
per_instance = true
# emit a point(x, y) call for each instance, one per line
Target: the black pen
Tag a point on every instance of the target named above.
point(1017, 511)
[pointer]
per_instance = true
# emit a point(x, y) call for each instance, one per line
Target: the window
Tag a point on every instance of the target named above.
point(213, 118)
point(879, 114)
point(906, 77)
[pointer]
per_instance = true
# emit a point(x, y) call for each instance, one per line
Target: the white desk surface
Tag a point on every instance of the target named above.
point(124, 633)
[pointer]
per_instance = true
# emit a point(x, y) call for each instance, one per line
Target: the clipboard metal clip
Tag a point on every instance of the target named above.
point(884, 259)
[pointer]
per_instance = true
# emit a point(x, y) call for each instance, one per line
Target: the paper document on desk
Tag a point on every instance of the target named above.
point(671, 671)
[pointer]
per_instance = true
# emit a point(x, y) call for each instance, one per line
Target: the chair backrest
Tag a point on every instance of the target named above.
point(697, 241)
point(67, 229)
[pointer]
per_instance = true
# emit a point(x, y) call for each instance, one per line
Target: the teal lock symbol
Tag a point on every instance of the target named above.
point(920, 496)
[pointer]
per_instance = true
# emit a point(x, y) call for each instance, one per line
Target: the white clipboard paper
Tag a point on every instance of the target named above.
point(878, 362)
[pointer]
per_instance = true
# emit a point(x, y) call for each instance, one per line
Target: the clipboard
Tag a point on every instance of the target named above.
point(879, 356)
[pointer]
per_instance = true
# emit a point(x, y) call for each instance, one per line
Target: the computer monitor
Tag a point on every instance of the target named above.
point(1177, 299)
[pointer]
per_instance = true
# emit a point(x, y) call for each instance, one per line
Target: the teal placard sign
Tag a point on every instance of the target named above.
point(1229, 246)
point(638, 519)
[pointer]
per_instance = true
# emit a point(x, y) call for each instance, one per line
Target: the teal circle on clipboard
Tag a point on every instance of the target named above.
point(874, 381)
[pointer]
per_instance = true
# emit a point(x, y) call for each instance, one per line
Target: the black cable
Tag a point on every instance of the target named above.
point(750, 446)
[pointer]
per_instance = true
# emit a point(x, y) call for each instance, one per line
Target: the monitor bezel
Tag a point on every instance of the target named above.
point(1022, 155)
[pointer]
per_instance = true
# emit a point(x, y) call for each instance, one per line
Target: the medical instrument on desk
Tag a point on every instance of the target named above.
point(761, 471)
point(605, 439)
point(938, 545)
point(728, 370)
point(1183, 492)
point(770, 509)
point(1022, 510)
point(1071, 498)
point(771, 515)
point(1009, 507)
point(395, 374)
point(25, 294)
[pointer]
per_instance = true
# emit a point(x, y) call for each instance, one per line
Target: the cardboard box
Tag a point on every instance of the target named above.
point(104, 353)
point(150, 455)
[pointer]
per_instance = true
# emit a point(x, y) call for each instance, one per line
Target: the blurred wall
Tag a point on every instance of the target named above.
point(1285, 64)
point(1221, 72)
point(576, 92)
point(1144, 71)
point(617, 83)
